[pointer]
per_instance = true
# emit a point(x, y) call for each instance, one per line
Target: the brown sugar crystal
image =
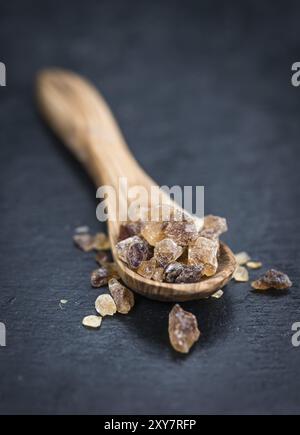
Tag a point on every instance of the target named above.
point(166, 251)
point(182, 232)
point(183, 329)
point(129, 229)
point(205, 252)
point(213, 226)
point(172, 271)
point(102, 257)
point(123, 297)
point(153, 232)
point(99, 277)
point(190, 274)
point(241, 274)
point(84, 242)
point(180, 273)
point(101, 242)
point(272, 279)
point(105, 305)
point(133, 251)
point(93, 322)
point(147, 268)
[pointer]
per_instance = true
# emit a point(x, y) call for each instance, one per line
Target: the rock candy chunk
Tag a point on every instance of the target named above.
point(254, 264)
point(93, 322)
point(147, 268)
point(190, 274)
point(153, 232)
point(241, 274)
point(133, 251)
point(102, 257)
point(123, 246)
point(180, 273)
point(130, 229)
point(137, 253)
point(99, 277)
point(213, 226)
point(183, 329)
point(218, 294)
point(123, 297)
point(242, 258)
point(182, 232)
point(272, 279)
point(87, 242)
point(105, 305)
point(101, 242)
point(172, 271)
point(84, 241)
point(166, 252)
point(204, 252)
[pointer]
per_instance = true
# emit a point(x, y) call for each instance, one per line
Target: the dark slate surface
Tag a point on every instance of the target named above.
point(203, 94)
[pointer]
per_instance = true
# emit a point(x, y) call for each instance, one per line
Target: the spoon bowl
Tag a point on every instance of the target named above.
point(79, 115)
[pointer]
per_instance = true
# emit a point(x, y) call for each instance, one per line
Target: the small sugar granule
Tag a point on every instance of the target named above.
point(93, 322)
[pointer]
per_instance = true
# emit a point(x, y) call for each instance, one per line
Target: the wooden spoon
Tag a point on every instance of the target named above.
point(81, 118)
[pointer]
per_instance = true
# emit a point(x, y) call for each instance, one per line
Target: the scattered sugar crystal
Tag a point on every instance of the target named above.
point(183, 329)
point(82, 229)
point(99, 277)
point(254, 264)
point(241, 274)
point(102, 258)
point(92, 322)
point(123, 297)
point(213, 226)
point(105, 305)
point(84, 242)
point(218, 294)
point(101, 242)
point(272, 279)
point(242, 258)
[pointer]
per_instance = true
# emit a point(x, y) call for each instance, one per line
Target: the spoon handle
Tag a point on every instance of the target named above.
point(81, 118)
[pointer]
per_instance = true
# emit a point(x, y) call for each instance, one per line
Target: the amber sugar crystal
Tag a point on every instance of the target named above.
point(183, 329)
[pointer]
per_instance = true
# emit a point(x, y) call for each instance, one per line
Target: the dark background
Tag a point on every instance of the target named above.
point(202, 91)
